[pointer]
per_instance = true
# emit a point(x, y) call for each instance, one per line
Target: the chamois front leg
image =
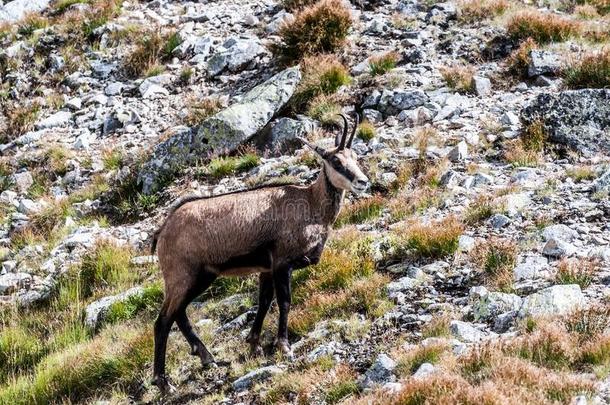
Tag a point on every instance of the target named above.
point(265, 296)
point(281, 281)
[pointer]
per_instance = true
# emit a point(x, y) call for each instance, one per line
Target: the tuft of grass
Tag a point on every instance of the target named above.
point(497, 258)
point(113, 159)
point(324, 109)
point(150, 299)
point(517, 155)
point(345, 386)
point(379, 65)
point(549, 346)
point(19, 119)
point(186, 74)
point(151, 49)
point(344, 282)
point(459, 78)
point(542, 27)
point(19, 350)
point(471, 11)
point(588, 323)
point(520, 58)
point(63, 5)
point(322, 74)
point(225, 166)
point(294, 5)
point(589, 71)
point(577, 271)
point(199, 110)
point(601, 6)
point(319, 28)
point(581, 173)
point(433, 240)
point(360, 211)
point(438, 326)
point(409, 362)
point(534, 136)
point(482, 208)
point(113, 359)
point(106, 265)
point(366, 131)
point(30, 23)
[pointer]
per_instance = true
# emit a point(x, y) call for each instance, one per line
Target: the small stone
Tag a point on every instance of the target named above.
point(465, 243)
point(465, 332)
point(75, 103)
point(114, 89)
point(11, 282)
point(558, 248)
point(559, 231)
point(23, 181)
point(246, 381)
point(28, 207)
point(424, 370)
point(498, 221)
point(510, 118)
point(459, 152)
point(380, 372)
point(59, 119)
point(531, 267)
point(482, 86)
point(543, 62)
point(97, 310)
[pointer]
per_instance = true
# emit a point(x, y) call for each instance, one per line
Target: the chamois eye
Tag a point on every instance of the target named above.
point(335, 160)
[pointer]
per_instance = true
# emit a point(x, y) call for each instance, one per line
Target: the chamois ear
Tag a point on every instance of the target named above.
point(340, 138)
point(321, 152)
point(351, 137)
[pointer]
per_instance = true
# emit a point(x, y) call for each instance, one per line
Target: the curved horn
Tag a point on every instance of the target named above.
point(351, 137)
point(313, 147)
point(344, 136)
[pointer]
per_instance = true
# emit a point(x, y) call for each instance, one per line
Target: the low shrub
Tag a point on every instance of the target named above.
point(379, 65)
point(590, 71)
point(577, 271)
point(434, 240)
point(366, 131)
point(322, 75)
point(542, 27)
point(472, 11)
point(319, 28)
point(497, 258)
point(151, 49)
point(459, 78)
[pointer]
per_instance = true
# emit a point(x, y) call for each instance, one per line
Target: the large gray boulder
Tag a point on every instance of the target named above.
point(246, 381)
point(221, 133)
point(555, 300)
point(579, 119)
point(17, 9)
point(392, 102)
point(543, 62)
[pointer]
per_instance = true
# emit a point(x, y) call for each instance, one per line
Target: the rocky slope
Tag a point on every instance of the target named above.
point(489, 206)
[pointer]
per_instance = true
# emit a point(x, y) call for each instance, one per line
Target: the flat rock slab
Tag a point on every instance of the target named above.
point(221, 133)
point(579, 119)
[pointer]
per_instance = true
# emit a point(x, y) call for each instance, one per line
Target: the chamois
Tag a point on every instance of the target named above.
point(270, 230)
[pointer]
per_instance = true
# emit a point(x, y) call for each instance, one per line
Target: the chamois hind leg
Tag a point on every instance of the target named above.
point(265, 296)
point(281, 282)
point(163, 325)
point(197, 346)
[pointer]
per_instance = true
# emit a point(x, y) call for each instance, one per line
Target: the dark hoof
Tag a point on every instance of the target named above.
point(256, 350)
point(160, 381)
point(284, 348)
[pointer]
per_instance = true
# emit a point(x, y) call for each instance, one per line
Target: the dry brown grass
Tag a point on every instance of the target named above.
point(361, 211)
point(518, 155)
point(520, 58)
point(542, 27)
point(475, 10)
point(408, 361)
point(200, 109)
point(432, 240)
point(319, 28)
point(459, 77)
point(19, 119)
point(496, 258)
point(322, 74)
point(413, 201)
point(579, 271)
point(151, 49)
point(482, 208)
point(589, 71)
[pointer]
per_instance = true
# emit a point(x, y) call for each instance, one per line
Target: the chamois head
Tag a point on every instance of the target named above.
point(340, 164)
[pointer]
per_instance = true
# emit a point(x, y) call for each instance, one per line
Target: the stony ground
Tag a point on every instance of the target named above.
point(485, 229)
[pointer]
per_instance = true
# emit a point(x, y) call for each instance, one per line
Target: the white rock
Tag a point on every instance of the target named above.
point(17, 9)
point(465, 332)
point(97, 310)
point(59, 119)
point(28, 207)
point(459, 152)
point(530, 267)
point(558, 248)
point(424, 370)
point(23, 181)
point(559, 231)
point(246, 381)
point(555, 300)
point(10, 282)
